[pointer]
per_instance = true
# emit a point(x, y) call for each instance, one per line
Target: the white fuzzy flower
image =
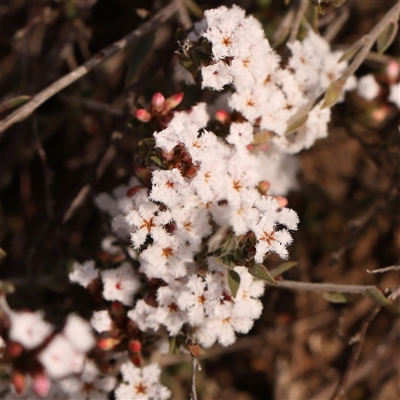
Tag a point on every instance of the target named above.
point(141, 383)
point(101, 321)
point(394, 96)
point(84, 273)
point(79, 333)
point(367, 87)
point(29, 328)
point(120, 284)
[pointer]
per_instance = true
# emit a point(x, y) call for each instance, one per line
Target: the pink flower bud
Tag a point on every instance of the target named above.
point(142, 115)
point(282, 201)
point(157, 103)
point(222, 116)
point(393, 71)
point(41, 384)
point(173, 101)
point(379, 114)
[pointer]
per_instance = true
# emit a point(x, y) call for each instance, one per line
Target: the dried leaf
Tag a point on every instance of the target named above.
point(260, 272)
point(335, 297)
point(386, 38)
point(3, 254)
point(333, 93)
point(233, 282)
point(377, 296)
point(282, 268)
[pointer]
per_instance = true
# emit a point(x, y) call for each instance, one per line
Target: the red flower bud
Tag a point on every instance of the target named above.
point(14, 349)
point(18, 380)
point(142, 115)
point(263, 187)
point(173, 101)
point(222, 116)
point(135, 346)
point(108, 343)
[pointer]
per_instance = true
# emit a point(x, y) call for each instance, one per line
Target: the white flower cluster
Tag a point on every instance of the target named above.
point(169, 224)
point(266, 93)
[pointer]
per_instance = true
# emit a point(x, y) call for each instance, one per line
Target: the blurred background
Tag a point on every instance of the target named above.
point(82, 142)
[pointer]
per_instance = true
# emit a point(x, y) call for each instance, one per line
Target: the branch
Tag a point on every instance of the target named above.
point(386, 269)
point(193, 393)
point(27, 109)
point(324, 287)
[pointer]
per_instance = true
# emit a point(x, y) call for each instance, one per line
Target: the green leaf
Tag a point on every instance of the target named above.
point(335, 297)
point(296, 123)
point(13, 103)
point(227, 261)
point(137, 56)
point(280, 269)
point(233, 282)
point(386, 38)
point(333, 93)
point(260, 272)
point(172, 345)
point(377, 297)
point(351, 52)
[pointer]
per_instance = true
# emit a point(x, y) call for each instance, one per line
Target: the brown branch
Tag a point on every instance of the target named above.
point(355, 354)
point(366, 43)
point(99, 58)
point(297, 20)
point(193, 393)
point(386, 269)
point(323, 287)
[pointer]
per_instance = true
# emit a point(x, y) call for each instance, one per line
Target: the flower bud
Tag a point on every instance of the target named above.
point(223, 116)
point(108, 343)
point(157, 103)
point(142, 115)
point(18, 381)
point(282, 201)
point(393, 71)
point(134, 346)
point(137, 360)
point(14, 349)
point(173, 101)
point(263, 187)
point(41, 384)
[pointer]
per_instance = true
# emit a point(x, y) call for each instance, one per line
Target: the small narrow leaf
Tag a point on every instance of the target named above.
point(13, 103)
point(335, 297)
point(233, 282)
point(297, 123)
point(386, 38)
point(351, 52)
point(138, 55)
point(282, 268)
point(333, 93)
point(260, 272)
point(377, 296)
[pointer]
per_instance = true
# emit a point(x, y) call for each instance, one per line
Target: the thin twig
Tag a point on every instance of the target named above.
point(297, 20)
point(355, 354)
point(27, 109)
point(193, 393)
point(323, 287)
point(366, 43)
point(337, 24)
point(386, 269)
